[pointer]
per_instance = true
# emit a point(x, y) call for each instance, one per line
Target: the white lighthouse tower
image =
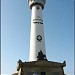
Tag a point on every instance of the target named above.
point(37, 39)
point(38, 63)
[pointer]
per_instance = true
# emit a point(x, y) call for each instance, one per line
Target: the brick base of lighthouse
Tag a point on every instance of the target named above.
point(40, 67)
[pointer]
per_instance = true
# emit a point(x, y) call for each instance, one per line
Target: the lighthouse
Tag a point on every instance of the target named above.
point(38, 63)
point(37, 38)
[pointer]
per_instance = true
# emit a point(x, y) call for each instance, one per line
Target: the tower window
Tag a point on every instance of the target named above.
point(38, 7)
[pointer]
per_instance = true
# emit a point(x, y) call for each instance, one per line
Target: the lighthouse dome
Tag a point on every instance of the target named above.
point(36, 2)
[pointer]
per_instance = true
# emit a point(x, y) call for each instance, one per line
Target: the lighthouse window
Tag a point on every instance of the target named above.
point(38, 7)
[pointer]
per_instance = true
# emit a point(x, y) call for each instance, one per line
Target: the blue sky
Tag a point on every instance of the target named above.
point(58, 17)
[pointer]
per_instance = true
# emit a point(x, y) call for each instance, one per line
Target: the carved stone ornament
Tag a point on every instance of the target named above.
point(41, 56)
point(39, 38)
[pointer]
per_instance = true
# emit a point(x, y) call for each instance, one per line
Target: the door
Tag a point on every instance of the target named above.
point(43, 73)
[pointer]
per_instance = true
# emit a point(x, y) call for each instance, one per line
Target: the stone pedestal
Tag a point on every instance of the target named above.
point(40, 67)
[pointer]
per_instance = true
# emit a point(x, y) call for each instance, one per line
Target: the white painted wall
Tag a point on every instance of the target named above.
point(36, 29)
